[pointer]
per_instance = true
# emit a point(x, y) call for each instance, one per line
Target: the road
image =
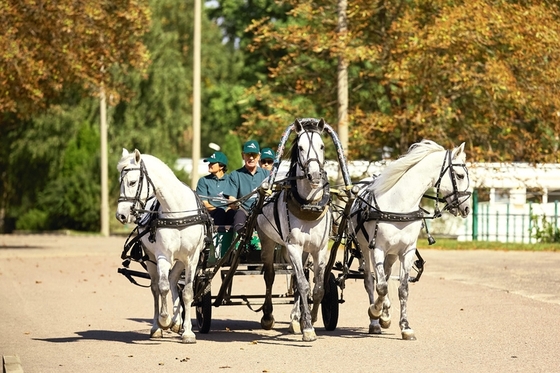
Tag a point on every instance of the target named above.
point(65, 308)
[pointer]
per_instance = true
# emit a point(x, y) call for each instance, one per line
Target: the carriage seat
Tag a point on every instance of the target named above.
point(223, 237)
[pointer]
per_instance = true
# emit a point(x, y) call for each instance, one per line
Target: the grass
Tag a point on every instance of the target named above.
point(451, 244)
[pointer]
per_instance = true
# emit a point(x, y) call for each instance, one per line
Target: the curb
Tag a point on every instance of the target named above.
point(11, 364)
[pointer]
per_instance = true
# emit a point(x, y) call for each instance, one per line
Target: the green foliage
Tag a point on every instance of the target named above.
point(49, 47)
point(33, 220)
point(478, 71)
point(543, 230)
point(53, 170)
point(450, 244)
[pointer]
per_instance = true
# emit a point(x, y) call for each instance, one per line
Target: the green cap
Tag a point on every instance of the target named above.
point(267, 153)
point(217, 157)
point(251, 146)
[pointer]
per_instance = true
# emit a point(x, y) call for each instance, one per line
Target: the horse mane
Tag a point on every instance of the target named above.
point(153, 160)
point(395, 170)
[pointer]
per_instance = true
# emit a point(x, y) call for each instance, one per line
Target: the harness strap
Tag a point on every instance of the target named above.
point(277, 216)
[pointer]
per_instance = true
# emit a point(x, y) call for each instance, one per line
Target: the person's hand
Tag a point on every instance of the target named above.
point(234, 204)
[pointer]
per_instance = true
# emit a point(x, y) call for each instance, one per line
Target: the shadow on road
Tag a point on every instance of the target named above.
point(101, 335)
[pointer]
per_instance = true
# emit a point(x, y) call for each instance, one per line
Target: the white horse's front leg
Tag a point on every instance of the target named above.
point(369, 285)
point(381, 304)
point(163, 264)
point(406, 264)
point(188, 295)
point(295, 314)
point(174, 277)
point(155, 331)
point(319, 263)
point(303, 288)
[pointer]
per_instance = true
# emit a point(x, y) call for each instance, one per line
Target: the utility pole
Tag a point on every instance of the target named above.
point(342, 83)
point(196, 93)
point(104, 165)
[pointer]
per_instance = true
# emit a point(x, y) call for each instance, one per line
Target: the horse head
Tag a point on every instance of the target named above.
point(135, 187)
point(454, 182)
point(308, 153)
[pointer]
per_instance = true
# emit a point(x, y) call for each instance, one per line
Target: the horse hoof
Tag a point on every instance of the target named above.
point(267, 324)
point(295, 327)
point(385, 323)
point(176, 328)
point(309, 335)
point(156, 333)
point(374, 329)
point(188, 339)
point(164, 323)
point(408, 335)
point(372, 314)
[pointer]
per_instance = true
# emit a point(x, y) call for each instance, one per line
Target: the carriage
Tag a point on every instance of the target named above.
point(293, 213)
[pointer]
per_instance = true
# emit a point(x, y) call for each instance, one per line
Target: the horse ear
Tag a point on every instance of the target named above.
point(137, 155)
point(298, 126)
point(458, 150)
point(321, 125)
point(124, 152)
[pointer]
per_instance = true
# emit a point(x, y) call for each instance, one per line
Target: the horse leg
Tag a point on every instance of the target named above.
point(163, 264)
point(295, 314)
point(188, 335)
point(406, 264)
point(267, 258)
point(155, 331)
point(385, 318)
point(382, 287)
point(369, 283)
point(319, 263)
point(303, 288)
point(174, 277)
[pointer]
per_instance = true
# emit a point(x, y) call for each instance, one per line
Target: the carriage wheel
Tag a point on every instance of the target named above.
point(203, 309)
point(329, 304)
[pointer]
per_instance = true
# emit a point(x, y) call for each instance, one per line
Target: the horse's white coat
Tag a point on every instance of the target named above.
point(400, 188)
point(175, 244)
point(300, 237)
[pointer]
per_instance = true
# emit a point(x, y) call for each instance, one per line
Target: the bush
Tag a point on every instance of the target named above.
point(33, 220)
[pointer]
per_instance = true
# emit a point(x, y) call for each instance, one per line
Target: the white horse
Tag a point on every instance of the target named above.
point(178, 234)
point(386, 220)
point(299, 219)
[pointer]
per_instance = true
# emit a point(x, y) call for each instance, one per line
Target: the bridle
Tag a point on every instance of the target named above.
point(137, 199)
point(457, 197)
point(304, 165)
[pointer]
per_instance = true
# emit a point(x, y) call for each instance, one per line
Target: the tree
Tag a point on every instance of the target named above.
point(49, 164)
point(47, 47)
point(478, 71)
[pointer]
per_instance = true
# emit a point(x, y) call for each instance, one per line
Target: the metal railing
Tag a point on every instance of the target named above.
point(506, 222)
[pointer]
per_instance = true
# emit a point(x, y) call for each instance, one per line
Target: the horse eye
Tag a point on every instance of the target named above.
point(460, 176)
point(132, 183)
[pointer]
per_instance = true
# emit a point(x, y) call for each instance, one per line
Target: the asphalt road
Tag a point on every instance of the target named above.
point(64, 308)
